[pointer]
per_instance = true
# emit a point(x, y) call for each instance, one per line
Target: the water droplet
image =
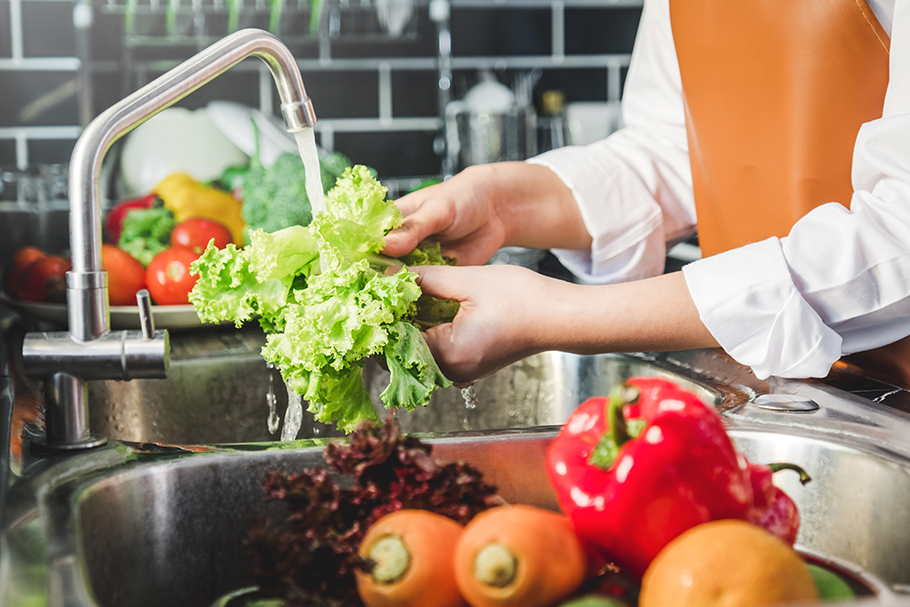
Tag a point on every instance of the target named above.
point(470, 397)
point(273, 420)
point(293, 417)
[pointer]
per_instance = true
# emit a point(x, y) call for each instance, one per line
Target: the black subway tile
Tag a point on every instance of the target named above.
point(50, 151)
point(392, 154)
point(592, 31)
point(38, 99)
point(5, 34)
point(47, 29)
point(342, 94)
point(500, 32)
point(415, 94)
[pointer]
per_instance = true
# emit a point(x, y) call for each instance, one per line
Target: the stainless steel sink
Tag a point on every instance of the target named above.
point(172, 533)
point(138, 525)
point(218, 383)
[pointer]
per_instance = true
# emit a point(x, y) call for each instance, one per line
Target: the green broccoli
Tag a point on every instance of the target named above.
point(275, 198)
point(146, 232)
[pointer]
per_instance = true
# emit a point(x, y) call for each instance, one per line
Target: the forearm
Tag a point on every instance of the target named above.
point(656, 314)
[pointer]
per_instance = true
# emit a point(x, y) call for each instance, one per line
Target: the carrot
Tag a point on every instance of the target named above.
point(519, 556)
point(413, 551)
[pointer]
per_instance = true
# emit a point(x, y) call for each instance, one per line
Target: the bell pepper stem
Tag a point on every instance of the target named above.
point(604, 454)
point(803, 475)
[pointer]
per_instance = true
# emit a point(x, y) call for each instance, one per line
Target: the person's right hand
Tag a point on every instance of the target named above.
point(460, 214)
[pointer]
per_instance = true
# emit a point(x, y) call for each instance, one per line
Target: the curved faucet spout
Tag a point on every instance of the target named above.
point(86, 283)
point(90, 350)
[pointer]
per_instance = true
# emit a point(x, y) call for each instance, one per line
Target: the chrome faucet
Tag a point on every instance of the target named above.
point(89, 351)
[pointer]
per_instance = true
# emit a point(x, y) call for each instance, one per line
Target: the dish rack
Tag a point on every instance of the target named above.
point(199, 23)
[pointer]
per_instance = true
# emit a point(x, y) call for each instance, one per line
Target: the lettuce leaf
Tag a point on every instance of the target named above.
point(324, 295)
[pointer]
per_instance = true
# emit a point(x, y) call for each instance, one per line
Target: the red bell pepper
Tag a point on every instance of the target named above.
point(664, 465)
point(114, 222)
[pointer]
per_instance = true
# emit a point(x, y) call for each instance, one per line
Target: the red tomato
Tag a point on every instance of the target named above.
point(125, 275)
point(44, 280)
point(196, 233)
point(21, 259)
point(168, 276)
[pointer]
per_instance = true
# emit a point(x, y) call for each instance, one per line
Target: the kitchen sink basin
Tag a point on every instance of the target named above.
point(172, 533)
point(162, 524)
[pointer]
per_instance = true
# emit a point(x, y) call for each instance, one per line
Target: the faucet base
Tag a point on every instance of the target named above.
point(90, 442)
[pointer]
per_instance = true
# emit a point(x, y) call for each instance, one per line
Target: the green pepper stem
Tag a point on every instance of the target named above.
point(604, 454)
point(803, 475)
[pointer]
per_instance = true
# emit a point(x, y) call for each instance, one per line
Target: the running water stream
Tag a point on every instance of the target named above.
point(309, 154)
point(306, 145)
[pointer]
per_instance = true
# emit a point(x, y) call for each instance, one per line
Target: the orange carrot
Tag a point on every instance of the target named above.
point(413, 551)
point(519, 556)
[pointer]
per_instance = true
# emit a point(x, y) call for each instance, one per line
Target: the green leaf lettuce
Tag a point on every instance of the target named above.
point(325, 297)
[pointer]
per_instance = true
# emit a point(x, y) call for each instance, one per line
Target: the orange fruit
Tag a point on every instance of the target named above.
point(727, 563)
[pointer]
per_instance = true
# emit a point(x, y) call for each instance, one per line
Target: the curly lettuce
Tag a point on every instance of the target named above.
point(328, 301)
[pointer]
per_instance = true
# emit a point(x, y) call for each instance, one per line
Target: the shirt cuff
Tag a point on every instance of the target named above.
point(748, 301)
point(627, 238)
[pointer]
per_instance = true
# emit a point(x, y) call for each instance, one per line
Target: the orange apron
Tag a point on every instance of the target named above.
point(775, 94)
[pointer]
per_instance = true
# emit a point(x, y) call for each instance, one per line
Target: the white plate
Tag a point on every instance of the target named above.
point(235, 121)
point(122, 317)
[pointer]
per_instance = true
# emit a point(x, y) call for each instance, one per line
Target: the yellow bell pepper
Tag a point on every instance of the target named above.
point(185, 198)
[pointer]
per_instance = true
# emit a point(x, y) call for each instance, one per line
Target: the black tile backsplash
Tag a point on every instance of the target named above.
point(47, 29)
point(601, 31)
point(50, 151)
point(581, 84)
point(343, 94)
point(415, 94)
point(38, 98)
point(501, 32)
point(7, 154)
point(391, 154)
point(41, 98)
point(6, 49)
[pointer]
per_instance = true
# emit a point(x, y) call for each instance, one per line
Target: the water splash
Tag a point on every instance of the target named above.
point(293, 418)
point(274, 421)
point(470, 397)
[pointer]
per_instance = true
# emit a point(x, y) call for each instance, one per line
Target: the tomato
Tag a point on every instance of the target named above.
point(21, 259)
point(168, 276)
point(125, 275)
point(43, 280)
point(196, 233)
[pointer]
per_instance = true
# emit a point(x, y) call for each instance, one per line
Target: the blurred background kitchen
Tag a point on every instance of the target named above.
point(416, 89)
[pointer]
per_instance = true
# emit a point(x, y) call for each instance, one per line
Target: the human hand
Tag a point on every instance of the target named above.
point(507, 313)
point(459, 213)
point(490, 206)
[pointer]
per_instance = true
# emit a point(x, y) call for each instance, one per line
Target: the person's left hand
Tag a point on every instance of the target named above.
point(506, 314)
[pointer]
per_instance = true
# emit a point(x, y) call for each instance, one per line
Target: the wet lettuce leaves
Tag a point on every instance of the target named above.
point(329, 300)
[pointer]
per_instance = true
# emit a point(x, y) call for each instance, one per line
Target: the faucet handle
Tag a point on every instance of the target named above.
point(146, 320)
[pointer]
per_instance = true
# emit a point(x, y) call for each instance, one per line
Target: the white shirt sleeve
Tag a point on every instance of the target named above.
point(634, 189)
point(840, 281)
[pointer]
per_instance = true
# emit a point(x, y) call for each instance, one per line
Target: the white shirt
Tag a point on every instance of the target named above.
point(838, 283)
